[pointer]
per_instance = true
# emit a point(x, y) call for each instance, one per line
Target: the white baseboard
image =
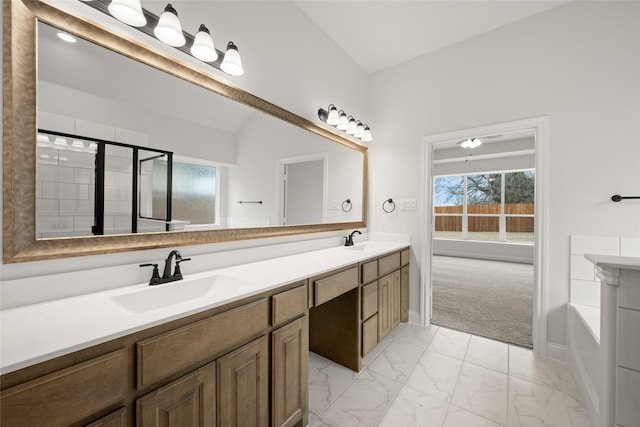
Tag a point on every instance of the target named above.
point(414, 317)
point(556, 351)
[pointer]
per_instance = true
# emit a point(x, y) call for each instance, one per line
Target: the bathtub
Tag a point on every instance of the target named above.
point(584, 355)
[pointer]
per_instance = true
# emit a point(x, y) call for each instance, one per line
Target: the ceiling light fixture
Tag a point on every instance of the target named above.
point(339, 119)
point(167, 28)
point(470, 143)
point(128, 11)
point(66, 37)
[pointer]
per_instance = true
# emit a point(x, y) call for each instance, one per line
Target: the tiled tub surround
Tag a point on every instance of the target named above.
point(432, 376)
point(617, 364)
point(39, 332)
point(587, 352)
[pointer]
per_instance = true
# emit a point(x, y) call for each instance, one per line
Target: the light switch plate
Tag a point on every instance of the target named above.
point(408, 205)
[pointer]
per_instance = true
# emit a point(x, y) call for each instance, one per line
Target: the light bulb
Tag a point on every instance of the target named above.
point(128, 11)
point(353, 126)
point(169, 30)
point(343, 121)
point(359, 130)
point(333, 118)
point(367, 134)
point(231, 64)
point(203, 47)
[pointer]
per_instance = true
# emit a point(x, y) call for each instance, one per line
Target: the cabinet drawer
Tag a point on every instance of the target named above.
point(369, 300)
point(165, 354)
point(335, 285)
point(289, 304)
point(368, 272)
point(404, 257)
point(369, 335)
point(69, 395)
point(388, 263)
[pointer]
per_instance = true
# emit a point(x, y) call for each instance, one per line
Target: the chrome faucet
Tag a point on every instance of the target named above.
point(167, 276)
point(349, 238)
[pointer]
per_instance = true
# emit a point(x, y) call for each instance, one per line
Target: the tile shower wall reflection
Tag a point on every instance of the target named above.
point(65, 189)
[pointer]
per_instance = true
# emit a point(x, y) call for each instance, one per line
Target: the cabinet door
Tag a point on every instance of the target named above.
point(394, 301)
point(290, 372)
point(243, 386)
point(384, 301)
point(114, 419)
point(188, 401)
point(404, 294)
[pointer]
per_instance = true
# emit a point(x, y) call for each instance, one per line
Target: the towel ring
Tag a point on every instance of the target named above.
point(390, 202)
point(349, 205)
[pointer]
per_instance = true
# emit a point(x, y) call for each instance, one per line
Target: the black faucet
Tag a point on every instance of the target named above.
point(349, 238)
point(166, 275)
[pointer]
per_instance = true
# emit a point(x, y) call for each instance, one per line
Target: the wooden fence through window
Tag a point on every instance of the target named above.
point(487, 223)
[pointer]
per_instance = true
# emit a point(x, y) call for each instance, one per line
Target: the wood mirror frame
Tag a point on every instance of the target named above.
point(20, 83)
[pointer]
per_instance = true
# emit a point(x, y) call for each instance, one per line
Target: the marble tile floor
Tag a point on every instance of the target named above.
point(437, 377)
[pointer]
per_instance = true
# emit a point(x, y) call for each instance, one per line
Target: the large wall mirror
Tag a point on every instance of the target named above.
point(111, 146)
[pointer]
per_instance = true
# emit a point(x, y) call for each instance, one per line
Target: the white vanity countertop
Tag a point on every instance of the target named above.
point(39, 332)
point(612, 261)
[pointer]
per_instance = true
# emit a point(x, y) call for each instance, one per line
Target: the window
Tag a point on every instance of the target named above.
point(486, 207)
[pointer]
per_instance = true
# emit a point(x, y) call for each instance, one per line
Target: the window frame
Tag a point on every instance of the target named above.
point(465, 215)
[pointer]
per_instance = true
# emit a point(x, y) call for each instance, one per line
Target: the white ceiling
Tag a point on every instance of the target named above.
point(381, 34)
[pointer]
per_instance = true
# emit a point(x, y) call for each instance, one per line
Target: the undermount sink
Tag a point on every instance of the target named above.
point(366, 246)
point(160, 296)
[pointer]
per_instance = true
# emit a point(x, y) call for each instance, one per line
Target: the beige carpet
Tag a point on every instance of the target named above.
point(492, 299)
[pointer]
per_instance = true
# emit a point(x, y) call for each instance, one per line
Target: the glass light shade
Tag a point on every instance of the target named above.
point(203, 47)
point(353, 126)
point(169, 30)
point(343, 121)
point(333, 119)
point(231, 64)
point(359, 130)
point(128, 11)
point(367, 134)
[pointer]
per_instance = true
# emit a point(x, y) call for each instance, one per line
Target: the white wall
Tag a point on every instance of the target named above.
point(578, 64)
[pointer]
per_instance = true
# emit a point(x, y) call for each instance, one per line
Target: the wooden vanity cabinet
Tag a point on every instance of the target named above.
point(243, 364)
point(352, 310)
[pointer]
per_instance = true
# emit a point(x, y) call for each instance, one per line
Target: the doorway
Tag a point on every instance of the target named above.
point(442, 158)
point(302, 190)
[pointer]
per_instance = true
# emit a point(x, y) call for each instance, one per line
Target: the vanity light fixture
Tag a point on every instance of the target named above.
point(470, 143)
point(348, 124)
point(169, 30)
point(128, 11)
point(203, 47)
point(231, 64)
